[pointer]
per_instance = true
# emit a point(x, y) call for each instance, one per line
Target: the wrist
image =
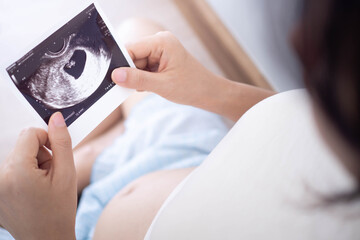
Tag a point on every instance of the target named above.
point(217, 95)
point(228, 98)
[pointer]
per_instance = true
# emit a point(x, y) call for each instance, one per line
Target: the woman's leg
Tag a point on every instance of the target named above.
point(86, 155)
point(130, 213)
point(88, 150)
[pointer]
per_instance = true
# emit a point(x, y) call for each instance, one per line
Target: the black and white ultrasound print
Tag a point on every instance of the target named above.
point(70, 70)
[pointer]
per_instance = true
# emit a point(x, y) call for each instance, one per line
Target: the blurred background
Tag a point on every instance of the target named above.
point(244, 40)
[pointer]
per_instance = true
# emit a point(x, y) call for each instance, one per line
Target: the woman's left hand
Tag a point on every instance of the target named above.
point(38, 194)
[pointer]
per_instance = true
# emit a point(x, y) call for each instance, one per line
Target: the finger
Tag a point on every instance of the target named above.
point(28, 144)
point(147, 65)
point(44, 159)
point(60, 143)
point(43, 155)
point(141, 63)
point(137, 79)
point(147, 52)
point(146, 47)
point(47, 144)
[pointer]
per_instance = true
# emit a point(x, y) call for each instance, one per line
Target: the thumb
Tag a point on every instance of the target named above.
point(136, 79)
point(60, 143)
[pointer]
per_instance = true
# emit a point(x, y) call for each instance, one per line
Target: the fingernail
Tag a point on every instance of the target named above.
point(58, 120)
point(119, 75)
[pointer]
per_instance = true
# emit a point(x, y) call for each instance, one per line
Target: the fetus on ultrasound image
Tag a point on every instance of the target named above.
point(70, 75)
point(70, 70)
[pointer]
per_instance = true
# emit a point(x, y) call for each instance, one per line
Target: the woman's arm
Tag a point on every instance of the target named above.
point(231, 99)
point(166, 68)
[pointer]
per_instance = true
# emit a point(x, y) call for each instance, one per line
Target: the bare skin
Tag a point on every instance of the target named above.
point(130, 213)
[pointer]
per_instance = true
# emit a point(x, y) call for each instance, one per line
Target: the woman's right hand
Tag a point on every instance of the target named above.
point(167, 69)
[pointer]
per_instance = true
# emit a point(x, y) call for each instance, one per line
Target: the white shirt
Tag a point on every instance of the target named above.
point(263, 181)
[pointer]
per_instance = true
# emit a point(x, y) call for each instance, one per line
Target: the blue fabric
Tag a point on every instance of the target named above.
point(159, 135)
point(5, 235)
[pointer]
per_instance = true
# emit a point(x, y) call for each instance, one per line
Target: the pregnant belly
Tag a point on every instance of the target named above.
point(130, 213)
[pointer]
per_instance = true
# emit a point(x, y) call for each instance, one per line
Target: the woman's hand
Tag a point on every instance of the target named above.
point(167, 69)
point(37, 188)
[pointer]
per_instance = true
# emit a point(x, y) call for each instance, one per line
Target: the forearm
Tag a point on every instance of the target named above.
point(230, 99)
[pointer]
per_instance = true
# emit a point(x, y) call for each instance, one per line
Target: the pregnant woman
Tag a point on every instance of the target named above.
point(38, 193)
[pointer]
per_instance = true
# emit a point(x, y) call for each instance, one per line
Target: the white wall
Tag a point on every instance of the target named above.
point(262, 27)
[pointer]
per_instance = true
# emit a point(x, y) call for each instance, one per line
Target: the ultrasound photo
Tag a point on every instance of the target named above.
point(70, 70)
